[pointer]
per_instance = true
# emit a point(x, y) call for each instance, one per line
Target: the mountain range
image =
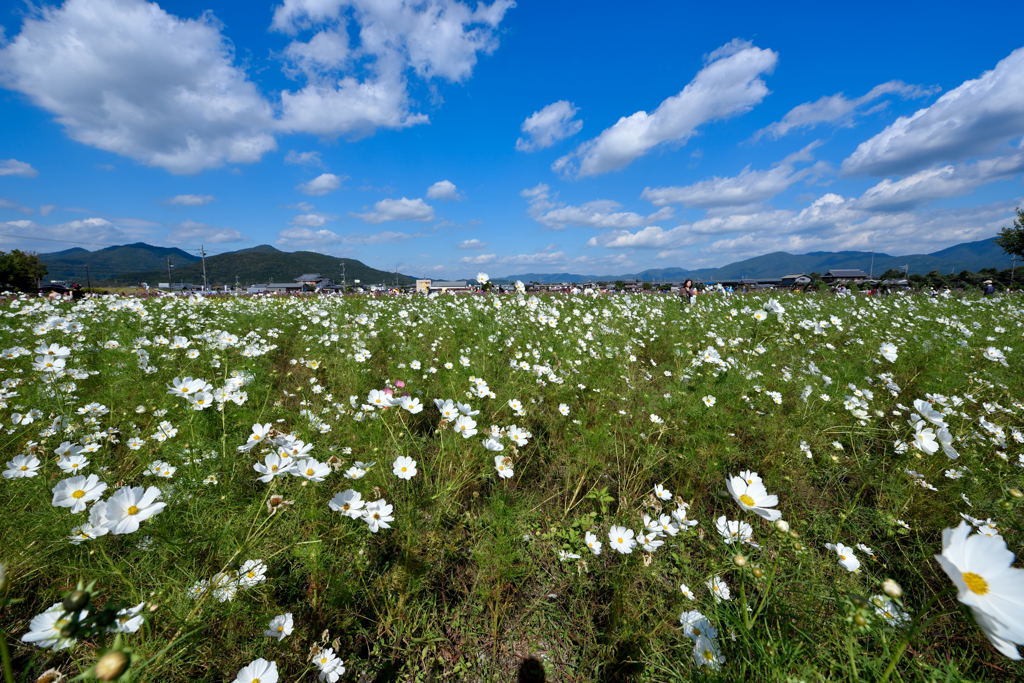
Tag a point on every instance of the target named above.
point(141, 262)
point(971, 256)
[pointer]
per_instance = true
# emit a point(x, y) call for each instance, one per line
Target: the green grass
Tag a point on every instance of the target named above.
point(468, 583)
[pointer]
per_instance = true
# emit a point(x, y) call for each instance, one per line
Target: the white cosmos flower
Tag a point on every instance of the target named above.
point(981, 568)
point(888, 351)
point(847, 559)
point(377, 515)
point(749, 492)
point(503, 464)
point(349, 503)
point(621, 539)
point(77, 492)
point(734, 531)
point(44, 629)
point(591, 540)
point(131, 505)
point(404, 467)
point(258, 670)
point(22, 466)
point(280, 626)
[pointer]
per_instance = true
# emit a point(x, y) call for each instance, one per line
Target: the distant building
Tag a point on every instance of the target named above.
point(443, 286)
point(845, 275)
point(795, 280)
point(314, 281)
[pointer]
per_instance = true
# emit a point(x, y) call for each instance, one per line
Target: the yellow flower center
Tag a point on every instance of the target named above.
point(747, 500)
point(709, 655)
point(403, 469)
point(620, 539)
point(842, 557)
point(976, 583)
point(78, 494)
point(309, 472)
point(132, 510)
point(24, 468)
point(280, 629)
point(273, 468)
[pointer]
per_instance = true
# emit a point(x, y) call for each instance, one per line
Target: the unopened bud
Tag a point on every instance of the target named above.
point(860, 620)
point(782, 525)
point(111, 666)
point(892, 589)
point(739, 560)
point(757, 572)
point(1016, 493)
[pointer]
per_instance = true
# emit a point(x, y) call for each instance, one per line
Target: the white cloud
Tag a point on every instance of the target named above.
point(190, 199)
point(839, 109)
point(303, 159)
point(316, 240)
point(601, 213)
point(310, 220)
point(13, 167)
point(127, 77)
point(435, 39)
point(728, 85)
point(939, 183)
point(748, 187)
point(192, 232)
point(547, 126)
point(302, 238)
point(972, 119)
point(321, 185)
point(539, 257)
point(479, 259)
point(472, 244)
point(11, 205)
point(87, 232)
point(402, 209)
point(443, 189)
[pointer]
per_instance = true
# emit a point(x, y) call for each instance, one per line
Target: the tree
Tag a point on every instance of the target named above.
point(1011, 237)
point(20, 270)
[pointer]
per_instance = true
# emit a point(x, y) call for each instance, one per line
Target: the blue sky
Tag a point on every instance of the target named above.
point(447, 137)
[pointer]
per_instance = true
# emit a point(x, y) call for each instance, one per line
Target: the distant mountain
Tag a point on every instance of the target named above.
point(966, 256)
point(140, 262)
point(111, 262)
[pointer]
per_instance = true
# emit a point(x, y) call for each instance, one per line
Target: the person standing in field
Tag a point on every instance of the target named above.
point(988, 289)
point(689, 292)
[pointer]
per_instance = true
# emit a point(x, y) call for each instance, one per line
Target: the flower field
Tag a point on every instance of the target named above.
point(571, 487)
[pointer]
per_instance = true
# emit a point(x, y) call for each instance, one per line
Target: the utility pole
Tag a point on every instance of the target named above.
point(343, 280)
point(236, 282)
point(1013, 266)
point(88, 277)
point(202, 253)
point(169, 266)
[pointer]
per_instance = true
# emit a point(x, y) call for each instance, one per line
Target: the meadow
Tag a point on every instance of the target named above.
point(499, 487)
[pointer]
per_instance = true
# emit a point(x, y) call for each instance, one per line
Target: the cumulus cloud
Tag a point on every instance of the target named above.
point(729, 84)
point(127, 77)
point(321, 185)
point(547, 126)
point(972, 119)
point(443, 189)
point(13, 167)
point(435, 39)
point(479, 259)
point(310, 220)
point(190, 199)
point(602, 213)
point(303, 159)
point(192, 232)
point(840, 110)
point(472, 244)
point(402, 209)
point(749, 187)
point(950, 180)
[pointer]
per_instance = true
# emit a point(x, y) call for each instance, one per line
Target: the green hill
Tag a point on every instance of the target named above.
point(266, 264)
point(112, 262)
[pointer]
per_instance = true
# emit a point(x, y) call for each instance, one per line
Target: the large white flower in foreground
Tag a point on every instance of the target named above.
point(749, 492)
point(130, 506)
point(981, 567)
